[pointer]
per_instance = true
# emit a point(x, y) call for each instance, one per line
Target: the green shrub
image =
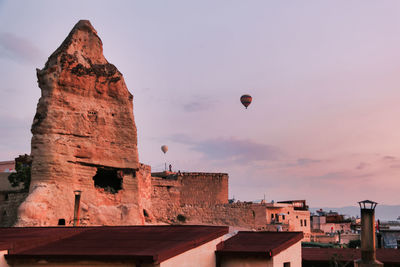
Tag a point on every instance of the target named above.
point(21, 176)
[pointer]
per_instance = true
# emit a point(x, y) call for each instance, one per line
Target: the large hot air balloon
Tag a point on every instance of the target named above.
point(246, 100)
point(164, 148)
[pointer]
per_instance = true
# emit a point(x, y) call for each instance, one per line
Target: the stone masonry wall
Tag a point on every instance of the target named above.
point(237, 214)
point(204, 188)
point(201, 198)
point(9, 207)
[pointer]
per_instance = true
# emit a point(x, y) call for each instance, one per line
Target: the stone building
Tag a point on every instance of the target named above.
point(292, 215)
point(329, 222)
point(7, 166)
point(10, 197)
point(331, 227)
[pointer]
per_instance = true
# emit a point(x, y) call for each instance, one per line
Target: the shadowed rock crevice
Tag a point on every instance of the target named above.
point(108, 179)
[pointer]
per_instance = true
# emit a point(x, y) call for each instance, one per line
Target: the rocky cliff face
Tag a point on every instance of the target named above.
point(84, 138)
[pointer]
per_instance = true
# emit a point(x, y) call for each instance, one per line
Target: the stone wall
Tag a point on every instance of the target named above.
point(190, 188)
point(9, 203)
point(168, 208)
point(204, 188)
point(176, 193)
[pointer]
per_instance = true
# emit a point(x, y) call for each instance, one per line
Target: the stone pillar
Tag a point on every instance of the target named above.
point(368, 250)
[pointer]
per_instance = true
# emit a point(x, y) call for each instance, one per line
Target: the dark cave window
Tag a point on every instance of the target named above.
point(181, 218)
point(108, 179)
point(145, 213)
point(61, 222)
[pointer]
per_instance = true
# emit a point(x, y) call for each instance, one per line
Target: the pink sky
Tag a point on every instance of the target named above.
point(323, 125)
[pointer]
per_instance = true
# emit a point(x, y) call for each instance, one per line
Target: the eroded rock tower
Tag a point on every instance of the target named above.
point(84, 136)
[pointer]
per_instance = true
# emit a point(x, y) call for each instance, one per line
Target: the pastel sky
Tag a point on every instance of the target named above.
point(324, 124)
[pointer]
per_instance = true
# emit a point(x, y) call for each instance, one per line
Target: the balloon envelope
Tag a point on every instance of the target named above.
point(164, 148)
point(246, 100)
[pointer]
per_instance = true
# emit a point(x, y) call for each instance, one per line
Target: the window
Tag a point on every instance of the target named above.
point(272, 215)
point(305, 222)
point(301, 222)
point(109, 179)
point(286, 264)
point(283, 217)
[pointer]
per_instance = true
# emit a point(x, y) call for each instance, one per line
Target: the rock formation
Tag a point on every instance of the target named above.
point(84, 138)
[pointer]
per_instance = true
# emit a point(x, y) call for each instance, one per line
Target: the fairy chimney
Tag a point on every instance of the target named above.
point(84, 138)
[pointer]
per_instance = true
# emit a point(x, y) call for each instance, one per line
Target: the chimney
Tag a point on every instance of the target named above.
point(77, 194)
point(368, 250)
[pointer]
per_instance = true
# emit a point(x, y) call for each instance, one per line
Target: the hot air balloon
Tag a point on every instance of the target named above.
point(164, 148)
point(246, 100)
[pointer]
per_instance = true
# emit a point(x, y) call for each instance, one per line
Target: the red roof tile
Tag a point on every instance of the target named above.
point(387, 256)
point(151, 243)
point(266, 244)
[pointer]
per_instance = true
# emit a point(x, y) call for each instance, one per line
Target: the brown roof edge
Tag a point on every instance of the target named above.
point(268, 253)
point(290, 242)
point(220, 245)
point(259, 254)
point(169, 253)
point(20, 246)
point(13, 258)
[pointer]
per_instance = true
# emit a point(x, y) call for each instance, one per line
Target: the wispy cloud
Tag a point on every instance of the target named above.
point(389, 158)
point(231, 149)
point(362, 165)
point(18, 49)
point(199, 103)
point(307, 161)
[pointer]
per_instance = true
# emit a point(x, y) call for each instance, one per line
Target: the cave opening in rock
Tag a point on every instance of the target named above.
point(109, 179)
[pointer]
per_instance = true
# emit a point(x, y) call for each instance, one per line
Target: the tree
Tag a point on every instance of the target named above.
point(21, 176)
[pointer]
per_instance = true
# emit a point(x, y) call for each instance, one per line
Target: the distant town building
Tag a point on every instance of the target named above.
point(388, 235)
point(291, 215)
point(323, 257)
point(10, 197)
point(330, 222)
point(7, 166)
point(331, 227)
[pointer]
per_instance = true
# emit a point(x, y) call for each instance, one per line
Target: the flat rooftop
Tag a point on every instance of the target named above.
point(264, 244)
point(145, 243)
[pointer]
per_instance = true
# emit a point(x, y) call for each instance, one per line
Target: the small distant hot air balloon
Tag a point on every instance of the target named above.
point(164, 148)
point(246, 100)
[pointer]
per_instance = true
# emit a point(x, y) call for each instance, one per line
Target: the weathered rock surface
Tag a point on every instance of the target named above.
point(83, 125)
